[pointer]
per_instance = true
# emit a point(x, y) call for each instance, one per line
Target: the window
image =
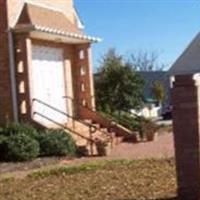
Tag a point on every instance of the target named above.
point(84, 102)
point(81, 54)
point(22, 87)
point(83, 70)
point(20, 67)
point(82, 87)
point(23, 107)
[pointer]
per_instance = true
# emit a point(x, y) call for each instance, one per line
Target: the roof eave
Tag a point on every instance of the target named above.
point(29, 28)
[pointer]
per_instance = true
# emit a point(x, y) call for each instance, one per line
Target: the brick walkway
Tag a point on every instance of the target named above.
point(163, 147)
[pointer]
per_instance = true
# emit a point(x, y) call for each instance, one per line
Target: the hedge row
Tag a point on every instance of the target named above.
point(22, 142)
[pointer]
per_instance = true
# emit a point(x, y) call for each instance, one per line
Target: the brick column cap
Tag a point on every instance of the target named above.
point(186, 79)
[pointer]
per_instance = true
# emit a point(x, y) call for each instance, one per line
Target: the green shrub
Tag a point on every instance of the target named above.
point(3, 147)
point(21, 147)
point(129, 121)
point(15, 128)
point(126, 119)
point(56, 142)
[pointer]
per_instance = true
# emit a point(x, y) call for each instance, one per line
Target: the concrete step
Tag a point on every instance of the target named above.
point(103, 135)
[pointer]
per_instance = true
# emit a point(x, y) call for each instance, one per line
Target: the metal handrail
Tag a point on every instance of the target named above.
point(62, 126)
point(92, 128)
point(69, 129)
point(112, 123)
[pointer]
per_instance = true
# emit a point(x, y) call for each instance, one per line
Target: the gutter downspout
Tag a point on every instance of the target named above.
point(12, 75)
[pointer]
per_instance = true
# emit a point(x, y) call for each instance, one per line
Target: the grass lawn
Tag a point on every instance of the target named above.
point(100, 180)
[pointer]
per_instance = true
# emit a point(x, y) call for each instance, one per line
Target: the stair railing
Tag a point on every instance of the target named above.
point(92, 128)
point(113, 124)
point(90, 139)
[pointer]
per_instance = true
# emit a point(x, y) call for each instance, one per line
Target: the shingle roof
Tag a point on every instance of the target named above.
point(51, 21)
point(189, 61)
point(150, 78)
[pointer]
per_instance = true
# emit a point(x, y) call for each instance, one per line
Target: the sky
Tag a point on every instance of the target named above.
point(163, 26)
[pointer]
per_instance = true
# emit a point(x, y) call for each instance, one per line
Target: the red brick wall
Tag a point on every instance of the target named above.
point(5, 83)
point(186, 107)
point(83, 97)
point(6, 107)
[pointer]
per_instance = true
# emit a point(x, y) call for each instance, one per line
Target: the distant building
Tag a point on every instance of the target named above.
point(151, 108)
point(150, 77)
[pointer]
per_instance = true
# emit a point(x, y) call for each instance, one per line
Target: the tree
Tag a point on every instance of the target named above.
point(118, 86)
point(158, 91)
point(146, 61)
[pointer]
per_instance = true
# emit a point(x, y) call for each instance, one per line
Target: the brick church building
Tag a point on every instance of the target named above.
point(46, 69)
point(43, 50)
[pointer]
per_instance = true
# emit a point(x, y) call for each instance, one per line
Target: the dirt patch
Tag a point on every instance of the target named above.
point(25, 166)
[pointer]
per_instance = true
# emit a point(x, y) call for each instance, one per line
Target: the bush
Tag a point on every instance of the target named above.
point(143, 126)
point(126, 119)
point(21, 147)
point(56, 142)
point(15, 128)
point(3, 147)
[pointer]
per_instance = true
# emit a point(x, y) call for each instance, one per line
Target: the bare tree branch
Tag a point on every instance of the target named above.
point(146, 61)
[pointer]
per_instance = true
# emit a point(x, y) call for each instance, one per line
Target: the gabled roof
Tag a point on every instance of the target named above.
point(189, 61)
point(150, 77)
point(50, 21)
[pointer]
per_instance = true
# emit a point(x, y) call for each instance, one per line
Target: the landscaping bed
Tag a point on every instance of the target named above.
point(97, 180)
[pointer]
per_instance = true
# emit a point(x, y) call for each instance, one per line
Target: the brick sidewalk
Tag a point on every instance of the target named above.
point(163, 147)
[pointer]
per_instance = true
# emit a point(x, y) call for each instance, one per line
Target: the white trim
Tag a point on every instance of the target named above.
point(172, 80)
point(196, 78)
point(80, 24)
point(12, 75)
point(79, 36)
point(68, 34)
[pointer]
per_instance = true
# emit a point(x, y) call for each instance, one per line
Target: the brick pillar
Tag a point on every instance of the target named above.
point(23, 58)
point(83, 77)
point(6, 107)
point(186, 107)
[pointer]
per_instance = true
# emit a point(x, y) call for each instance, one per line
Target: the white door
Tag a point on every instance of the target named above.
point(48, 85)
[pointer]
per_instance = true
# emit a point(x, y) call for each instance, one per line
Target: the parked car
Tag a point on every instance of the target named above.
point(167, 113)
